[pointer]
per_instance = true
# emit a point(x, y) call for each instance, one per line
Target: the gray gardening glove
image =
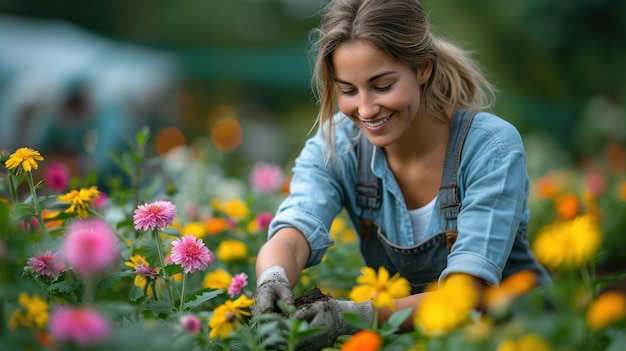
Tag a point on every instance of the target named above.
point(272, 286)
point(327, 313)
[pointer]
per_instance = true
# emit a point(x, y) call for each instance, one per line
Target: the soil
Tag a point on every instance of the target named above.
point(310, 297)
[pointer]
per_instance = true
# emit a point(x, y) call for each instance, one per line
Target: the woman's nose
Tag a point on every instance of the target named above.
point(367, 108)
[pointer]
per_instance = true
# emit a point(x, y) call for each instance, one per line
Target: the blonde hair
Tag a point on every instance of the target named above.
point(400, 29)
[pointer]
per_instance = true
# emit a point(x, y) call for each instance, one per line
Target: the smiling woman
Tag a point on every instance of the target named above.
point(435, 184)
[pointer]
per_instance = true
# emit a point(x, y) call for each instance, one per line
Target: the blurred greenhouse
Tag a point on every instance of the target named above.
point(77, 75)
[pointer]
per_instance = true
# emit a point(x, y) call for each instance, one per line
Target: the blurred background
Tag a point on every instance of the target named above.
point(77, 76)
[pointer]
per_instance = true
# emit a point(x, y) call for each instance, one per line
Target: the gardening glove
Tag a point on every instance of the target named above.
point(327, 313)
point(272, 286)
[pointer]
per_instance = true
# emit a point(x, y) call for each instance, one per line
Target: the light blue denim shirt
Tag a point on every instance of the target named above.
point(492, 181)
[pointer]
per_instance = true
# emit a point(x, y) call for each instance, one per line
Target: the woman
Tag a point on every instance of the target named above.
point(435, 186)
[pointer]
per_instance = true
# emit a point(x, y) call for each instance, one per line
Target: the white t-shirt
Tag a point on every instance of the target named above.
point(420, 218)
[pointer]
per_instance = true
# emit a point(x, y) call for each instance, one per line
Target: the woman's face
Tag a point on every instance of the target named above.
point(380, 95)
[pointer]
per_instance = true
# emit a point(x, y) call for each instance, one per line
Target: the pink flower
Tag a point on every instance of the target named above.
point(266, 178)
point(82, 326)
point(263, 220)
point(57, 176)
point(191, 324)
point(90, 246)
point(101, 201)
point(237, 283)
point(146, 272)
point(191, 254)
point(45, 265)
point(155, 215)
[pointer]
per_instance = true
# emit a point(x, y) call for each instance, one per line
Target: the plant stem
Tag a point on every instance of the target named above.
point(38, 215)
point(166, 277)
point(182, 293)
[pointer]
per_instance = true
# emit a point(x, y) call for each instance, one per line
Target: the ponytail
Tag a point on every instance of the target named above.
point(457, 81)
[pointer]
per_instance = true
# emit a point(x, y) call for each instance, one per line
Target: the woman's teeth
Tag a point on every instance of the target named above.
point(377, 123)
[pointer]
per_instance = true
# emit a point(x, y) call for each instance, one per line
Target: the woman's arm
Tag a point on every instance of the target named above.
point(414, 301)
point(289, 249)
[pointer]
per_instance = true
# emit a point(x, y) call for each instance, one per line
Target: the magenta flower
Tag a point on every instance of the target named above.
point(191, 324)
point(191, 254)
point(155, 215)
point(82, 326)
point(263, 220)
point(45, 265)
point(57, 176)
point(237, 284)
point(266, 178)
point(90, 246)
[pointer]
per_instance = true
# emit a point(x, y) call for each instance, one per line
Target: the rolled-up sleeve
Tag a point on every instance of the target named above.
point(494, 185)
point(315, 198)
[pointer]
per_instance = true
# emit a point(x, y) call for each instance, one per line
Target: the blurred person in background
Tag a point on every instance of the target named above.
point(73, 95)
point(434, 184)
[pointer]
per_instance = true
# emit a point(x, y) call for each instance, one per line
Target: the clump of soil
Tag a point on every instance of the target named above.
point(310, 297)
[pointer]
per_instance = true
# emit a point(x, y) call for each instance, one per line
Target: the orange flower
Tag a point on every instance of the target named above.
point(364, 340)
point(567, 206)
point(547, 187)
point(216, 225)
point(515, 285)
point(608, 308)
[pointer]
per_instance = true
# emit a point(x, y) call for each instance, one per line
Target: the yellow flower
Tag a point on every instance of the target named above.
point(235, 209)
point(80, 200)
point(218, 279)
point(568, 244)
point(441, 311)
point(379, 288)
point(607, 309)
point(227, 317)
point(24, 158)
point(196, 229)
point(530, 342)
point(232, 250)
point(136, 260)
point(33, 314)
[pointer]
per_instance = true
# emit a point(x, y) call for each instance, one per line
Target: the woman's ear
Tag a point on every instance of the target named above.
point(424, 72)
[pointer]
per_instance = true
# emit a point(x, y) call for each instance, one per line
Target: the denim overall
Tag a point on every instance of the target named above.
point(421, 264)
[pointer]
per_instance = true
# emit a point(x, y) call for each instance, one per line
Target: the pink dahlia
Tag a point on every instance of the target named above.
point(238, 282)
point(191, 324)
point(90, 246)
point(266, 178)
point(191, 254)
point(155, 215)
point(82, 326)
point(45, 265)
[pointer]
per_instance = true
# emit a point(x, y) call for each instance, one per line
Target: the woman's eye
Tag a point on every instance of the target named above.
point(348, 92)
point(383, 88)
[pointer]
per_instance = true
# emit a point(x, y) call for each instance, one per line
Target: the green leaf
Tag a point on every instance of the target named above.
point(171, 231)
point(160, 306)
point(171, 269)
point(202, 297)
point(396, 319)
point(355, 320)
point(142, 136)
point(65, 287)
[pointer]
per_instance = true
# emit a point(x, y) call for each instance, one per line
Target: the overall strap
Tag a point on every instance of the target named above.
point(368, 188)
point(368, 185)
point(449, 201)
